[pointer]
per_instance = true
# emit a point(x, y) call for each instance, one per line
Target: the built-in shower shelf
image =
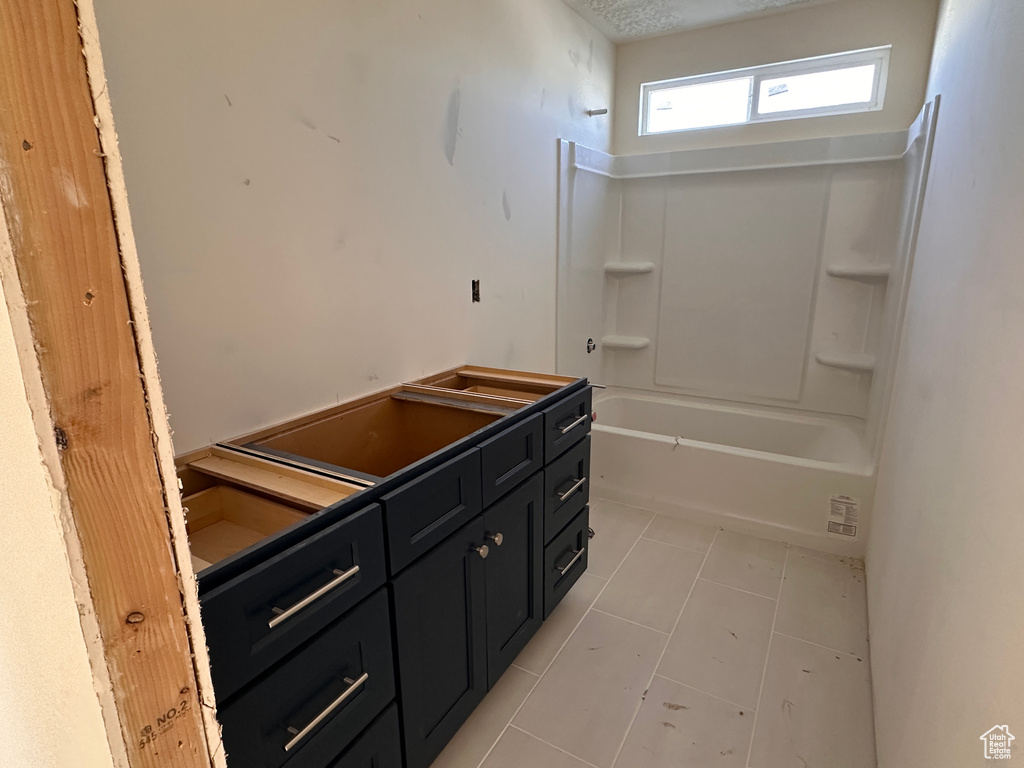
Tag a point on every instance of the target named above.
point(625, 268)
point(860, 362)
point(625, 342)
point(868, 273)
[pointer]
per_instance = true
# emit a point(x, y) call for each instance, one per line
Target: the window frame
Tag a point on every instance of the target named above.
point(878, 56)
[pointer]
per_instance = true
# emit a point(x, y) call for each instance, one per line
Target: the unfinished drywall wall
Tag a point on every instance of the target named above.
point(846, 25)
point(944, 568)
point(49, 712)
point(314, 185)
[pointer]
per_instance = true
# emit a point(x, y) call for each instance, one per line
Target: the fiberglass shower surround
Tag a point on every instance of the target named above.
point(746, 303)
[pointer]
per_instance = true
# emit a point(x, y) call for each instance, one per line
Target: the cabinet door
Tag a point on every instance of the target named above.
point(515, 588)
point(441, 631)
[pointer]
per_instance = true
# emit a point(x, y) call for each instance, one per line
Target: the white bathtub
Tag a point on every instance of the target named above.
point(765, 472)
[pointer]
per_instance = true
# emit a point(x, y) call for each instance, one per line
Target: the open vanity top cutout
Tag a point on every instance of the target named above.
point(379, 435)
point(235, 499)
point(295, 486)
point(375, 437)
point(485, 390)
point(514, 386)
point(316, 461)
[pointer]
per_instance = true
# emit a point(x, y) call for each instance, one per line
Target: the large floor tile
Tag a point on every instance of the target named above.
point(586, 700)
point(544, 646)
point(815, 709)
point(823, 600)
point(681, 533)
point(617, 528)
point(521, 750)
point(721, 643)
point(678, 726)
point(651, 585)
point(746, 562)
point(484, 726)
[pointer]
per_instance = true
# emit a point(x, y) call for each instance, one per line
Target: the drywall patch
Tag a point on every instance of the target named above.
point(451, 139)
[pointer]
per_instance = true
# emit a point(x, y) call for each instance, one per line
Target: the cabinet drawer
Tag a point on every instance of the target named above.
point(430, 508)
point(379, 746)
point(509, 458)
point(307, 709)
point(566, 422)
point(566, 488)
point(258, 618)
point(565, 560)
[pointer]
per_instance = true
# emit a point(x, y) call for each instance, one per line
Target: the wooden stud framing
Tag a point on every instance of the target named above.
point(95, 363)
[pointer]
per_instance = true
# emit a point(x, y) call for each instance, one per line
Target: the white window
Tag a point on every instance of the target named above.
point(824, 85)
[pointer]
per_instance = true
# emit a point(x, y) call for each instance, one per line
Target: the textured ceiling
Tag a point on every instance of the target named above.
point(623, 20)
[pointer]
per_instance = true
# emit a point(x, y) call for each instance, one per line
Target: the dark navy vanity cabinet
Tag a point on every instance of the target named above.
point(367, 573)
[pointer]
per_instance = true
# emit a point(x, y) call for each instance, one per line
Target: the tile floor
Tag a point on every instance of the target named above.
point(686, 645)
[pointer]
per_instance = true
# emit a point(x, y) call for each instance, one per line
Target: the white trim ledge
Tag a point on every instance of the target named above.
point(838, 150)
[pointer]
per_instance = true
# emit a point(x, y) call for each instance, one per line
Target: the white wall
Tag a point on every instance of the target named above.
point(314, 185)
point(49, 712)
point(945, 570)
point(846, 25)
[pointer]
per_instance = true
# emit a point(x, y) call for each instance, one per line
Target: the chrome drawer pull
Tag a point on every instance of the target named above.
point(571, 491)
point(576, 423)
point(579, 554)
point(343, 576)
point(352, 686)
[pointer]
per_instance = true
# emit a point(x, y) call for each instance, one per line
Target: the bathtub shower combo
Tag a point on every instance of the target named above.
point(742, 307)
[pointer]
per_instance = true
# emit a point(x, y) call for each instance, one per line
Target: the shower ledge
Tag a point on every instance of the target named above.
point(859, 362)
point(625, 342)
point(625, 268)
point(868, 273)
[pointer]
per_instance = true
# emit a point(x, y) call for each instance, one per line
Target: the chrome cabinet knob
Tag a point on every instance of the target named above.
point(483, 550)
point(497, 538)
